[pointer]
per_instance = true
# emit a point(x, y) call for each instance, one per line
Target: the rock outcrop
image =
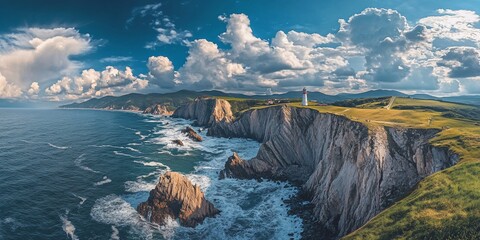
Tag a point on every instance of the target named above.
point(351, 171)
point(176, 197)
point(158, 109)
point(206, 111)
point(192, 134)
point(178, 142)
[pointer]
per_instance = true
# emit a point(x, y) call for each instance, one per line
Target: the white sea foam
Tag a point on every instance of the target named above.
point(104, 180)
point(82, 199)
point(78, 162)
point(145, 183)
point(133, 149)
point(68, 227)
point(152, 164)
point(57, 147)
point(175, 155)
point(113, 210)
point(11, 223)
point(243, 203)
point(126, 154)
point(49, 144)
point(115, 234)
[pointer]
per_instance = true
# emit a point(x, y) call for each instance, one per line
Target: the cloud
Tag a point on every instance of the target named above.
point(161, 72)
point(207, 67)
point(455, 26)
point(34, 89)
point(463, 62)
point(40, 55)
point(92, 83)
point(376, 48)
point(8, 90)
point(167, 32)
point(116, 59)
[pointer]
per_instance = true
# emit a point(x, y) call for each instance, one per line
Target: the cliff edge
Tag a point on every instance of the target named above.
point(351, 171)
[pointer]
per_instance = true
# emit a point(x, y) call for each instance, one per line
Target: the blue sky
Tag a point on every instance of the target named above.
point(75, 50)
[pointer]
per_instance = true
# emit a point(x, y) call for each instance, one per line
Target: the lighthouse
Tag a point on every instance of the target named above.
point(304, 98)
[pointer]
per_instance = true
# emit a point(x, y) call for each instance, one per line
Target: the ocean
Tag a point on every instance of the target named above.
point(80, 174)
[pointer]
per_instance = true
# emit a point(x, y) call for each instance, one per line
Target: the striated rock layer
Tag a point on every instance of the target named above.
point(352, 172)
point(206, 111)
point(176, 197)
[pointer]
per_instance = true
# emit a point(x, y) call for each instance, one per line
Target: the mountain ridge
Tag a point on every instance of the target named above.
point(137, 101)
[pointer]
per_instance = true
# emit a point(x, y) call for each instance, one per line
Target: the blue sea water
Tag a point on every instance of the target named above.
point(80, 174)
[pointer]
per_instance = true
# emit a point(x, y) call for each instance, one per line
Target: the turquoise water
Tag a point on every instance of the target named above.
point(80, 174)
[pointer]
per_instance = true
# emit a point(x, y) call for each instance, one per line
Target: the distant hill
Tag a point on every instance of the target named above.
point(136, 101)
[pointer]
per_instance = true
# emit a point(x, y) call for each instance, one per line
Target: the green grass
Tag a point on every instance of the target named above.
point(445, 205)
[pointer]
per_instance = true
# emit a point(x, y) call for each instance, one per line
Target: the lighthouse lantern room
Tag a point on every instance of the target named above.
point(304, 98)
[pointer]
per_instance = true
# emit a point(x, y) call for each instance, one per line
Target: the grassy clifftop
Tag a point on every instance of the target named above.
point(445, 205)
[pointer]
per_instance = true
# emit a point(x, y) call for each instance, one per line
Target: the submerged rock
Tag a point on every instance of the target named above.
point(158, 109)
point(176, 197)
point(178, 142)
point(192, 134)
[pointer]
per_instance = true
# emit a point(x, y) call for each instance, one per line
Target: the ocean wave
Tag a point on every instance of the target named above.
point(145, 183)
point(68, 227)
point(115, 234)
point(152, 164)
point(243, 203)
point(104, 180)
point(134, 144)
point(126, 155)
point(113, 210)
point(11, 223)
point(47, 143)
point(78, 162)
point(82, 199)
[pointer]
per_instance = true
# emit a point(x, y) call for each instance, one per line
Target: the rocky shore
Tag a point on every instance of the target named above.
point(349, 172)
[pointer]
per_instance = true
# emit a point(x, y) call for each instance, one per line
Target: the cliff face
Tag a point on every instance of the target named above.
point(206, 111)
point(157, 109)
point(176, 197)
point(352, 172)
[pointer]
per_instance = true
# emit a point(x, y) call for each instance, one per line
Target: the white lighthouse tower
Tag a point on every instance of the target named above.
point(304, 98)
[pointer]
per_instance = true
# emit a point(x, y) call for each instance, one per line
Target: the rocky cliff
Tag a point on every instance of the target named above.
point(158, 109)
point(206, 111)
point(176, 197)
point(351, 171)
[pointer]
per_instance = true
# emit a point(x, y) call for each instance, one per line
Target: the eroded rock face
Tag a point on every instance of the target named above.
point(158, 109)
point(352, 172)
point(192, 134)
point(206, 111)
point(176, 197)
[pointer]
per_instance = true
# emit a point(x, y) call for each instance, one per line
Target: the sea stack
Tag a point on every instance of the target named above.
point(176, 197)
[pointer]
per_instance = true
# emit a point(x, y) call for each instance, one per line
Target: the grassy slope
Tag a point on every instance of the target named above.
point(445, 205)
